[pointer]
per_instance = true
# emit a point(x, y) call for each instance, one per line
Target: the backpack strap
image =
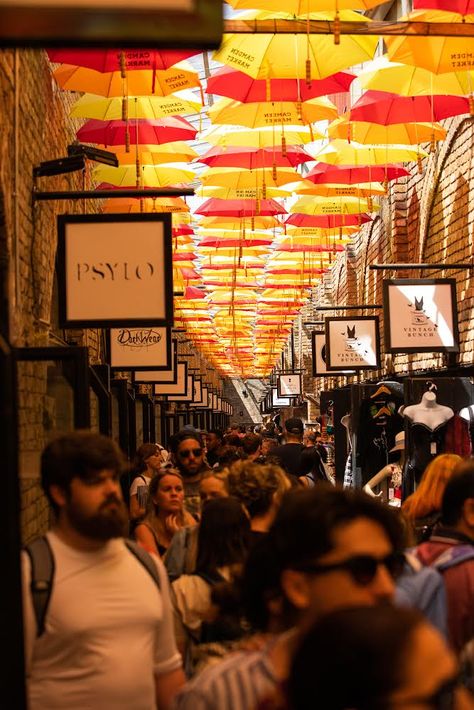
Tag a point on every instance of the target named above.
point(145, 559)
point(455, 555)
point(42, 573)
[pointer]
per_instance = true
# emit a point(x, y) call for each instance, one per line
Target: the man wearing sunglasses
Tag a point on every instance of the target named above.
point(188, 450)
point(327, 549)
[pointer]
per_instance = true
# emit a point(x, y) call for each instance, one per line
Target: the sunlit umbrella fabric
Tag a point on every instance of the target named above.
point(255, 115)
point(108, 60)
point(386, 108)
point(250, 158)
point(150, 107)
point(155, 132)
point(392, 133)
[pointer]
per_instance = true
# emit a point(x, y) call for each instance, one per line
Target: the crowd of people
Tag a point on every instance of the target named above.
point(230, 572)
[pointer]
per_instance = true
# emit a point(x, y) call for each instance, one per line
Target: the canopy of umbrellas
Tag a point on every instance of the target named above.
point(287, 162)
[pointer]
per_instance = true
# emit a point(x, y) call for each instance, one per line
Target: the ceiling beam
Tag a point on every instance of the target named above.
point(324, 27)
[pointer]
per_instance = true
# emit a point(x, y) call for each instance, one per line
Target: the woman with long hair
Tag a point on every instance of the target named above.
point(166, 514)
point(422, 508)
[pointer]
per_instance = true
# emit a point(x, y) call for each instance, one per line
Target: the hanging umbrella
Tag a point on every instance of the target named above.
point(240, 178)
point(135, 83)
point(248, 193)
point(155, 132)
point(251, 158)
point(239, 208)
point(462, 7)
point(150, 175)
point(402, 133)
point(257, 114)
point(104, 109)
point(109, 60)
point(323, 173)
point(339, 152)
point(158, 204)
point(301, 7)
point(252, 222)
point(284, 56)
point(239, 86)
point(437, 54)
point(340, 233)
point(329, 221)
point(175, 152)
point(408, 80)
point(365, 189)
point(265, 137)
point(386, 108)
point(331, 205)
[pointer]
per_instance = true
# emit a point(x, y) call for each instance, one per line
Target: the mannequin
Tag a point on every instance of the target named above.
point(428, 412)
point(393, 472)
point(426, 432)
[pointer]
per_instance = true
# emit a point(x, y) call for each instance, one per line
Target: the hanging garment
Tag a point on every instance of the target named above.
point(379, 423)
point(458, 438)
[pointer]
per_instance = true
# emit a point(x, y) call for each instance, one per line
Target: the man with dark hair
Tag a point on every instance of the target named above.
point(188, 452)
point(214, 440)
point(289, 454)
point(103, 635)
point(326, 549)
point(251, 446)
point(450, 549)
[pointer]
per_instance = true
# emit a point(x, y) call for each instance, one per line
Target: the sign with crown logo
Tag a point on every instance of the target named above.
point(420, 315)
point(352, 343)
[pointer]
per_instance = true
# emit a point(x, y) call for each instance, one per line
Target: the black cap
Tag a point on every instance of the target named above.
point(294, 425)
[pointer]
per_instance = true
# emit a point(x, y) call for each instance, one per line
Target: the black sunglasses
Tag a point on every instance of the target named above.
point(187, 453)
point(362, 568)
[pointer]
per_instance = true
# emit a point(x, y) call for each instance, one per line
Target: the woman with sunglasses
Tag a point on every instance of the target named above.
point(166, 514)
point(375, 658)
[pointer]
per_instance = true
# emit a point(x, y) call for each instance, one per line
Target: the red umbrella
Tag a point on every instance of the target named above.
point(251, 158)
point(192, 293)
point(141, 131)
point(323, 173)
point(464, 7)
point(108, 60)
point(386, 108)
point(241, 87)
point(327, 221)
point(216, 207)
point(217, 243)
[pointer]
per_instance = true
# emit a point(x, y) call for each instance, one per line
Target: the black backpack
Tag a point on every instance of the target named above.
point(43, 568)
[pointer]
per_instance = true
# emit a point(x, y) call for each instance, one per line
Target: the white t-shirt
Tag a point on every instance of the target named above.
point(108, 632)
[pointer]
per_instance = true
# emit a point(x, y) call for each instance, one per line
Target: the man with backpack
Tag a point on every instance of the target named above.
point(98, 619)
point(450, 549)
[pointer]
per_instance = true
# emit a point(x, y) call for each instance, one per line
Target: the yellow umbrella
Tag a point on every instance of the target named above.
point(302, 7)
point(408, 80)
point(269, 113)
point(247, 193)
point(110, 109)
point(338, 232)
point(436, 54)
point(336, 205)
point(135, 83)
point(239, 178)
point(401, 133)
point(265, 137)
point(239, 223)
point(306, 187)
point(147, 204)
point(339, 152)
point(285, 56)
point(149, 175)
point(176, 152)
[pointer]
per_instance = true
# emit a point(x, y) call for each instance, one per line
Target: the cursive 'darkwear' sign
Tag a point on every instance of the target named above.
point(140, 348)
point(115, 270)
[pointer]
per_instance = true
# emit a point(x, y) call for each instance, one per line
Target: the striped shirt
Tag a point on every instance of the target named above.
point(241, 682)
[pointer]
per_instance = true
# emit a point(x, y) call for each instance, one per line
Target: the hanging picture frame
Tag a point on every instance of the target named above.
point(276, 401)
point(289, 384)
point(352, 343)
point(178, 388)
point(318, 343)
point(115, 270)
point(139, 348)
point(169, 376)
point(420, 315)
point(188, 396)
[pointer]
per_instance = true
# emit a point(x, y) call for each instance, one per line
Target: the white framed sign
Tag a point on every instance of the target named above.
point(180, 387)
point(353, 343)
point(140, 348)
point(279, 401)
point(420, 315)
point(198, 399)
point(169, 376)
point(318, 341)
point(188, 396)
point(115, 270)
point(289, 385)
